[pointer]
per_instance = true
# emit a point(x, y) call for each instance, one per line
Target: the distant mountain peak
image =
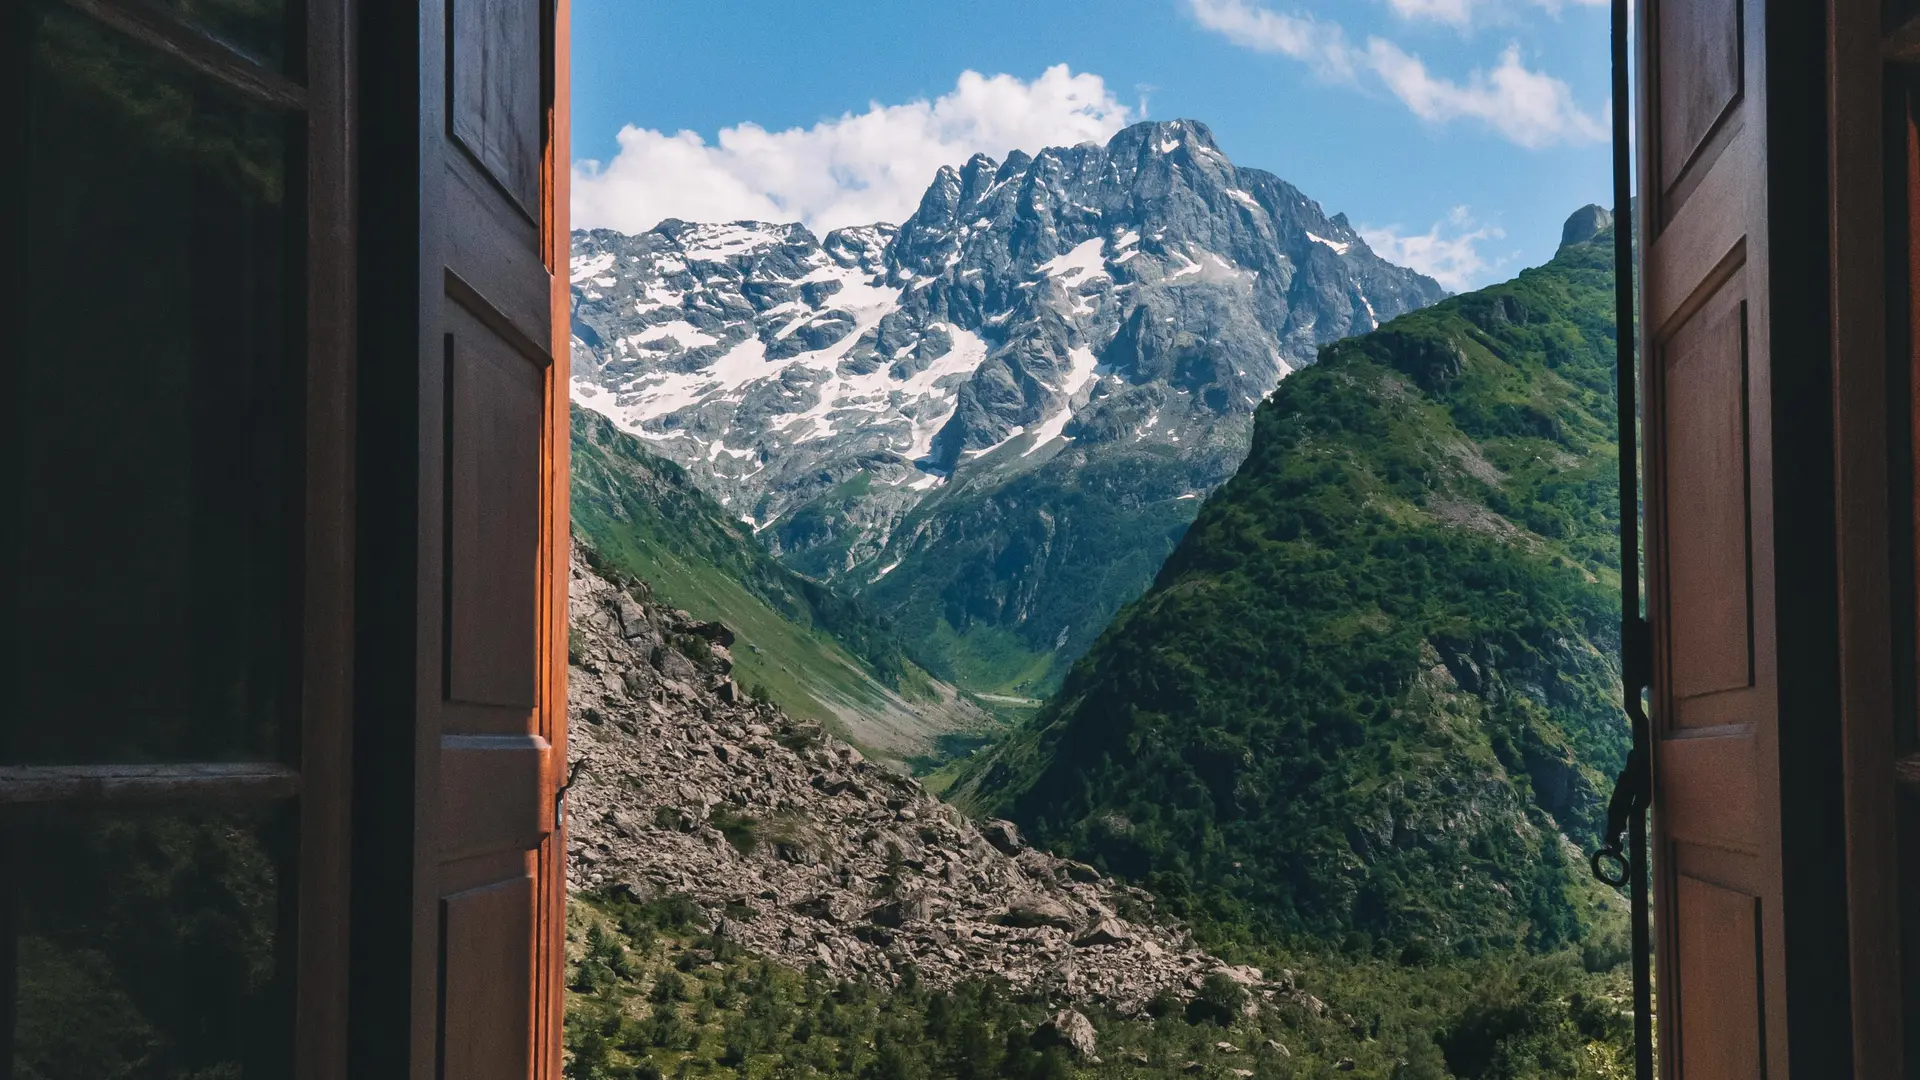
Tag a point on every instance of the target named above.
point(1585, 223)
point(1163, 137)
point(1035, 316)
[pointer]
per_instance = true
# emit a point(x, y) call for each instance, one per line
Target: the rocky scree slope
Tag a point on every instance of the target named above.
point(995, 420)
point(1374, 691)
point(800, 850)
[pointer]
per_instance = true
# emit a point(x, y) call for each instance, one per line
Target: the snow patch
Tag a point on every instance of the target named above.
point(713, 243)
point(586, 266)
point(1083, 371)
point(1338, 247)
point(1245, 199)
point(688, 335)
point(1083, 262)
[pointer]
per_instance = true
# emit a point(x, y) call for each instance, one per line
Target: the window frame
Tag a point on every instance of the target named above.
point(314, 776)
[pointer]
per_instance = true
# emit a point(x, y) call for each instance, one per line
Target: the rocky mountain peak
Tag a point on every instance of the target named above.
point(1036, 315)
point(1584, 224)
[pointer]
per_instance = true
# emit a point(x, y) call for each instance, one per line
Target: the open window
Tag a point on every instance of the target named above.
point(280, 597)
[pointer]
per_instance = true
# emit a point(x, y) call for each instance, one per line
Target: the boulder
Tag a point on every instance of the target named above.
point(1242, 974)
point(1004, 835)
point(897, 913)
point(1079, 871)
point(1069, 1029)
point(1032, 911)
point(1105, 932)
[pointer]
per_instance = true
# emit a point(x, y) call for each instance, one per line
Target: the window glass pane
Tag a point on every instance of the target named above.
point(259, 28)
point(148, 944)
point(153, 421)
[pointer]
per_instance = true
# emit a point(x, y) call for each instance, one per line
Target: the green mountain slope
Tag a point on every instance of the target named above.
point(816, 653)
point(1009, 572)
point(1375, 683)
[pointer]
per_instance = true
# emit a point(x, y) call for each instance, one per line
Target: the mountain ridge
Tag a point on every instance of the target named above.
point(1374, 690)
point(1042, 370)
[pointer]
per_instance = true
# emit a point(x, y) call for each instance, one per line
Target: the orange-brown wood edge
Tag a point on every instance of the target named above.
point(549, 981)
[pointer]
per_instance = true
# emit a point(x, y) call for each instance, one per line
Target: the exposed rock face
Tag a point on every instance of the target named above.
point(802, 850)
point(1586, 223)
point(1003, 410)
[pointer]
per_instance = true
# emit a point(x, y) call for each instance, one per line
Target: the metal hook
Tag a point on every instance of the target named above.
point(560, 794)
point(1613, 855)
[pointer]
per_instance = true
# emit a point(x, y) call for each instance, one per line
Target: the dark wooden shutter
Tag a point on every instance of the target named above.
point(483, 490)
point(1710, 551)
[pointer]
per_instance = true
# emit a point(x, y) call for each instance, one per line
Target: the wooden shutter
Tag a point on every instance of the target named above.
point(1710, 553)
point(1738, 356)
point(483, 488)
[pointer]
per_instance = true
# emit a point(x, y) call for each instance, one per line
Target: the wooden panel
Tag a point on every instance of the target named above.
point(1710, 587)
point(1717, 937)
point(494, 253)
point(496, 421)
point(487, 993)
point(1700, 77)
point(494, 794)
point(1705, 785)
point(496, 105)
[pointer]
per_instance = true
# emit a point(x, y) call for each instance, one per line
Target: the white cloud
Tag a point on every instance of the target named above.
point(1449, 253)
point(1465, 12)
point(1322, 46)
point(1528, 107)
point(1452, 12)
point(856, 169)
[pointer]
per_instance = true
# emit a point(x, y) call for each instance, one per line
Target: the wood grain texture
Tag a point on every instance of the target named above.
point(494, 447)
point(494, 794)
point(550, 950)
point(1864, 248)
point(1700, 77)
point(1709, 595)
point(326, 751)
point(1707, 786)
point(22, 784)
point(487, 989)
point(1718, 937)
point(1704, 186)
point(495, 252)
point(497, 106)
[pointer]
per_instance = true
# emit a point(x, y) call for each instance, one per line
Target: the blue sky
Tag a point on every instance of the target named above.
point(1457, 133)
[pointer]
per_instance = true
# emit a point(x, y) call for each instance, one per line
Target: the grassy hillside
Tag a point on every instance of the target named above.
point(1371, 695)
point(816, 653)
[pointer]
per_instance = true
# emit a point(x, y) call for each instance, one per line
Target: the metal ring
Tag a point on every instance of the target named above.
point(1610, 853)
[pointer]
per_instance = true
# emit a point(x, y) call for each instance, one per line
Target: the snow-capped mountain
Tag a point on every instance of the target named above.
point(1023, 390)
